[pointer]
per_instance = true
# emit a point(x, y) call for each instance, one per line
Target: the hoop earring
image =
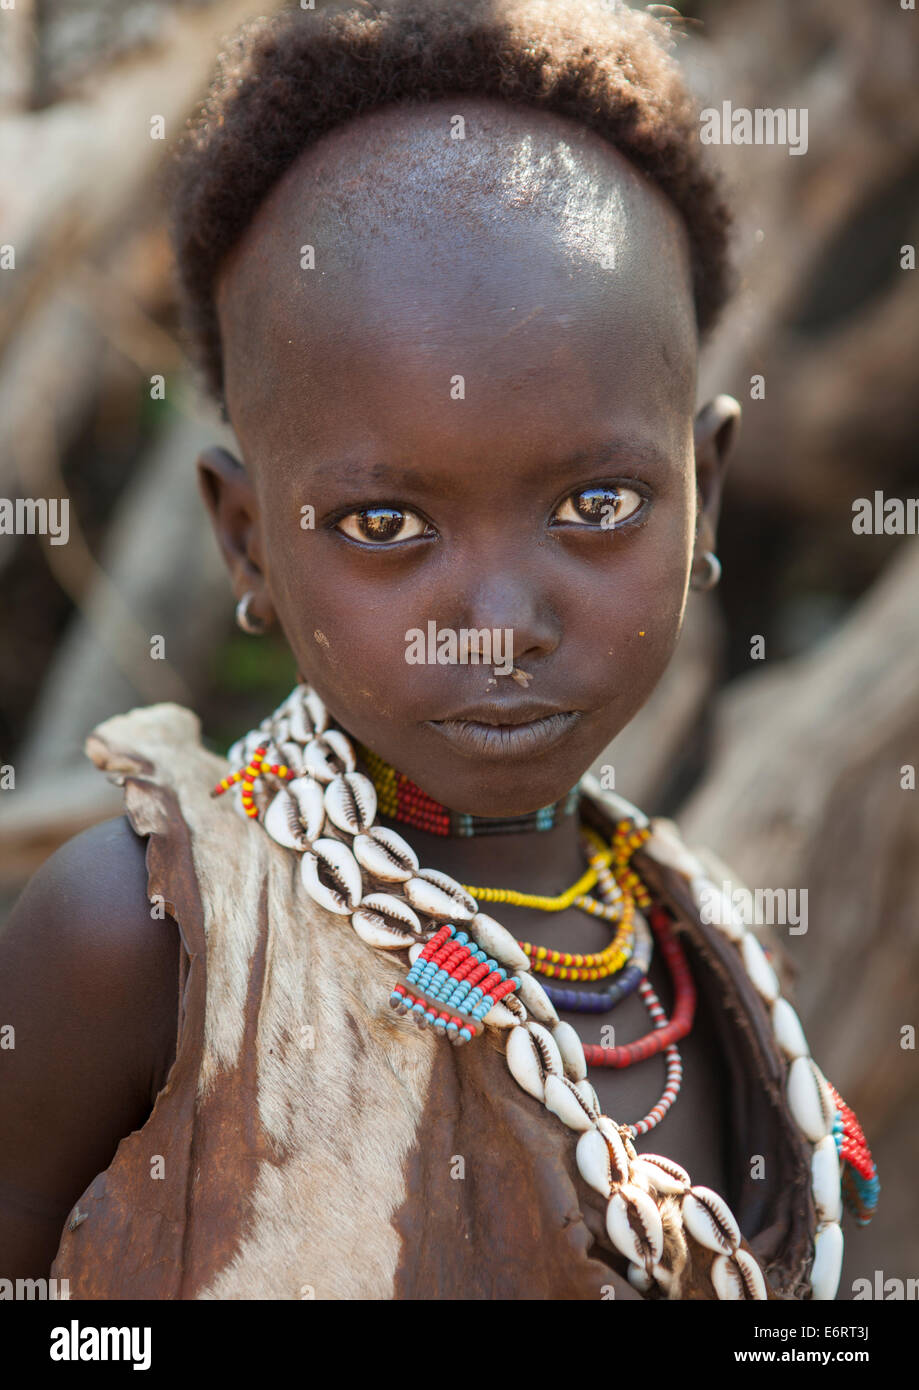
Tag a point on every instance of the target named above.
point(254, 626)
point(711, 576)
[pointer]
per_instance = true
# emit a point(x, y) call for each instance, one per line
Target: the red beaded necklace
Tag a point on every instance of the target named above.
point(665, 1033)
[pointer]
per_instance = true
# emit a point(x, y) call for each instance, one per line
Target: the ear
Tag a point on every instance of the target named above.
point(232, 505)
point(715, 432)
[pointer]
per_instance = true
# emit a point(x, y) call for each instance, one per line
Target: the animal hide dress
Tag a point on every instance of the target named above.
point(307, 1134)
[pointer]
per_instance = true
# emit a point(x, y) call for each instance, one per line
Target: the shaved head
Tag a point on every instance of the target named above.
point(409, 224)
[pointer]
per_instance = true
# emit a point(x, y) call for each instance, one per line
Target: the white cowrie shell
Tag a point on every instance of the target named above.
point(282, 822)
point(634, 1225)
point(762, 976)
point(639, 1278)
point(827, 1266)
point(438, 895)
point(386, 922)
point(307, 793)
point(415, 951)
point(385, 855)
point(738, 1277)
point(620, 1158)
point(569, 1045)
point(292, 755)
point(715, 905)
point(788, 1031)
point(825, 1180)
point(708, 1218)
point(298, 722)
point(497, 941)
point(611, 1131)
point(809, 1099)
point(333, 862)
point(500, 1017)
point(514, 1006)
point(535, 999)
point(316, 710)
point(663, 1174)
point(602, 1161)
point(588, 1095)
point(328, 755)
point(240, 754)
point(665, 846)
point(351, 802)
point(531, 1057)
point(592, 1158)
point(565, 1101)
point(544, 1040)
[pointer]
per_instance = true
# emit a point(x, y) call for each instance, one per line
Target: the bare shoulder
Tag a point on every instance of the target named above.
point(89, 1006)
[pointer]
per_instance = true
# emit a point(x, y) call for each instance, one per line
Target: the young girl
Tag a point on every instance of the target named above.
point(453, 1020)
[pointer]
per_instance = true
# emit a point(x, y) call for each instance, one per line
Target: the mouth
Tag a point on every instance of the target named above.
point(508, 734)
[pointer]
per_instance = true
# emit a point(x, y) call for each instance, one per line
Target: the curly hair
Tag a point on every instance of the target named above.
point(283, 82)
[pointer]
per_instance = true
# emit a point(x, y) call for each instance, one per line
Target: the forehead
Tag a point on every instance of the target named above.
point(530, 225)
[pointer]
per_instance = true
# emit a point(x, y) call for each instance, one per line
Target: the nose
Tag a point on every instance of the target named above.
point(509, 597)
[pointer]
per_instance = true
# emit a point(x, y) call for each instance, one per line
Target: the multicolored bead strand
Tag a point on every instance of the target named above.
point(670, 1092)
point(565, 965)
point(627, 981)
point(684, 1008)
point(860, 1184)
point(255, 768)
point(401, 799)
point(454, 984)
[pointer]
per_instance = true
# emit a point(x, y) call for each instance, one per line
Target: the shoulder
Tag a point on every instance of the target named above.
point(89, 1006)
point(84, 925)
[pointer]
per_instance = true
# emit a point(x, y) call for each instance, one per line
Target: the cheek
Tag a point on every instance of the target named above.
point(637, 610)
point(346, 629)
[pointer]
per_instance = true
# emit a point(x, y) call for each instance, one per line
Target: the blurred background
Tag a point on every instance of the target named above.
point(791, 767)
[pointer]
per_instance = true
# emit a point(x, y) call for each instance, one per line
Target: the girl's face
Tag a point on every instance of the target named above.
point(474, 412)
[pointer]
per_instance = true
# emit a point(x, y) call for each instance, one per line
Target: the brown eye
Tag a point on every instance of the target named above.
point(381, 524)
point(600, 506)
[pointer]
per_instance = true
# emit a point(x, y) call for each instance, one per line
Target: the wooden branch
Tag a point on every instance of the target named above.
point(805, 790)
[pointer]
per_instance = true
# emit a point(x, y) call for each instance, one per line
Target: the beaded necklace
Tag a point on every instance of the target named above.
point(665, 1032)
point(399, 798)
point(296, 774)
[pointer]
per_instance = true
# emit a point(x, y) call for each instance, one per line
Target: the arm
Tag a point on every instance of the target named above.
point(89, 983)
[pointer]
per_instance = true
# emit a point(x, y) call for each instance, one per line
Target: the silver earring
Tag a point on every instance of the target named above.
point(254, 626)
point(711, 576)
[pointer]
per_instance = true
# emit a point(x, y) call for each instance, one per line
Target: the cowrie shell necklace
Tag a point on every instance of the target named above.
point(297, 777)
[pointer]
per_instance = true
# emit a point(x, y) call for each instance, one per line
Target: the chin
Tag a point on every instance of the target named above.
point(508, 792)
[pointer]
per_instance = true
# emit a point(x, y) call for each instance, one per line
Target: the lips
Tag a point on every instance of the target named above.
point(501, 712)
point(516, 737)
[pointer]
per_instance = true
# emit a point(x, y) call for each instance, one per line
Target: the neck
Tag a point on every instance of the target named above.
point(539, 853)
point(544, 861)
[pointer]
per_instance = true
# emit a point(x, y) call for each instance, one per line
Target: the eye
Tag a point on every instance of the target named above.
point(383, 525)
point(600, 506)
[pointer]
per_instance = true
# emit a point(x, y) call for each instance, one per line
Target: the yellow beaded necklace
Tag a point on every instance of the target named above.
point(566, 965)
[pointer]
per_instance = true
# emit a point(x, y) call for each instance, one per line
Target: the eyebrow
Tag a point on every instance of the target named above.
point(388, 474)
